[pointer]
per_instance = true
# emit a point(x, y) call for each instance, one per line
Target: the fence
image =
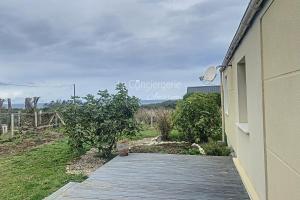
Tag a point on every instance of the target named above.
point(11, 122)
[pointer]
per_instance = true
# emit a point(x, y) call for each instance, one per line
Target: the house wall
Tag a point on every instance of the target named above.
point(230, 117)
point(268, 158)
point(249, 148)
point(281, 83)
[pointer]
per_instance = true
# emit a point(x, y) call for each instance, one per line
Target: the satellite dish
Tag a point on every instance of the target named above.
point(209, 75)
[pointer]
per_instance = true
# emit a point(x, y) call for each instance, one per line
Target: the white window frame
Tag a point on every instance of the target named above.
point(242, 96)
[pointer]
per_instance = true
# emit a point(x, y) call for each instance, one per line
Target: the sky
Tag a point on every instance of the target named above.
point(156, 47)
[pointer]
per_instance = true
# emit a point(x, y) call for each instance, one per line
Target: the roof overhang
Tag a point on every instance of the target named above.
point(249, 16)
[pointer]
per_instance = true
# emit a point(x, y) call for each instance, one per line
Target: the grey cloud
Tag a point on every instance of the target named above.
point(106, 41)
point(39, 33)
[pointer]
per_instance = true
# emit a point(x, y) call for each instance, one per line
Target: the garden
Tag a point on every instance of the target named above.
point(36, 163)
point(105, 120)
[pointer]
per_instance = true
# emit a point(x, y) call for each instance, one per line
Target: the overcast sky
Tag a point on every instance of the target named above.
point(157, 47)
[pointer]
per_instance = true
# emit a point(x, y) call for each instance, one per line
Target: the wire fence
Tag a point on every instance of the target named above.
point(22, 121)
point(14, 118)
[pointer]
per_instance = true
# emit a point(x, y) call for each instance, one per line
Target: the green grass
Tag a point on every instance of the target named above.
point(147, 133)
point(37, 173)
point(152, 132)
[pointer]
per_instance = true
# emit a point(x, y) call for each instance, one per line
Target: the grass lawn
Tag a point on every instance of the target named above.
point(147, 133)
point(37, 173)
point(152, 132)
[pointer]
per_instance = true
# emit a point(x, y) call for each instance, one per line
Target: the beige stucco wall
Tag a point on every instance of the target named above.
point(249, 148)
point(230, 117)
point(272, 150)
point(281, 69)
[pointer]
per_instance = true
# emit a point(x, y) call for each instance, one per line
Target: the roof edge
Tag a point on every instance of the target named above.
point(250, 14)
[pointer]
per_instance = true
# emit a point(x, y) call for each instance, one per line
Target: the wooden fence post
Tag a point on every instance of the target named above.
point(19, 119)
point(35, 119)
point(12, 124)
point(151, 121)
point(60, 118)
point(40, 117)
point(56, 121)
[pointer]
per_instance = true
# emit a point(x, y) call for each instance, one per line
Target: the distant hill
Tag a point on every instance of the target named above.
point(164, 104)
point(148, 102)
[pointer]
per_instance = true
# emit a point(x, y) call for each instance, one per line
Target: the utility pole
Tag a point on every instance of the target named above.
point(74, 92)
point(74, 95)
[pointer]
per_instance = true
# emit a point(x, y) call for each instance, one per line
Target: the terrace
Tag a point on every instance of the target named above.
point(159, 176)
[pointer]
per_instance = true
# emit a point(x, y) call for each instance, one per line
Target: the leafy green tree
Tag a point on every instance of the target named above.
point(198, 117)
point(73, 114)
point(57, 105)
point(101, 120)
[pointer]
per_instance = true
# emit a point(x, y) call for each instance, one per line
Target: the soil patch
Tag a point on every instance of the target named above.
point(27, 141)
point(86, 164)
point(144, 141)
point(169, 148)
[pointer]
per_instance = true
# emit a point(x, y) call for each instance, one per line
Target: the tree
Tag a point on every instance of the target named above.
point(198, 117)
point(101, 120)
point(57, 105)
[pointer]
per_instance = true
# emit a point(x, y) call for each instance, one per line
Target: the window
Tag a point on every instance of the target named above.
point(242, 91)
point(226, 95)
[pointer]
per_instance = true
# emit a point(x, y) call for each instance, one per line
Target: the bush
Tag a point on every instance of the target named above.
point(164, 124)
point(57, 105)
point(99, 121)
point(214, 148)
point(198, 117)
point(214, 96)
point(73, 113)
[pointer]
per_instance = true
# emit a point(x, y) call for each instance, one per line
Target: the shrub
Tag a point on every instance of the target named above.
point(216, 133)
point(72, 114)
point(198, 117)
point(214, 148)
point(175, 135)
point(99, 121)
point(214, 96)
point(57, 105)
point(187, 95)
point(164, 124)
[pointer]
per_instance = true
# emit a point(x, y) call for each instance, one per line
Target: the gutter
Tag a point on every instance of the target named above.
point(222, 105)
point(252, 9)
